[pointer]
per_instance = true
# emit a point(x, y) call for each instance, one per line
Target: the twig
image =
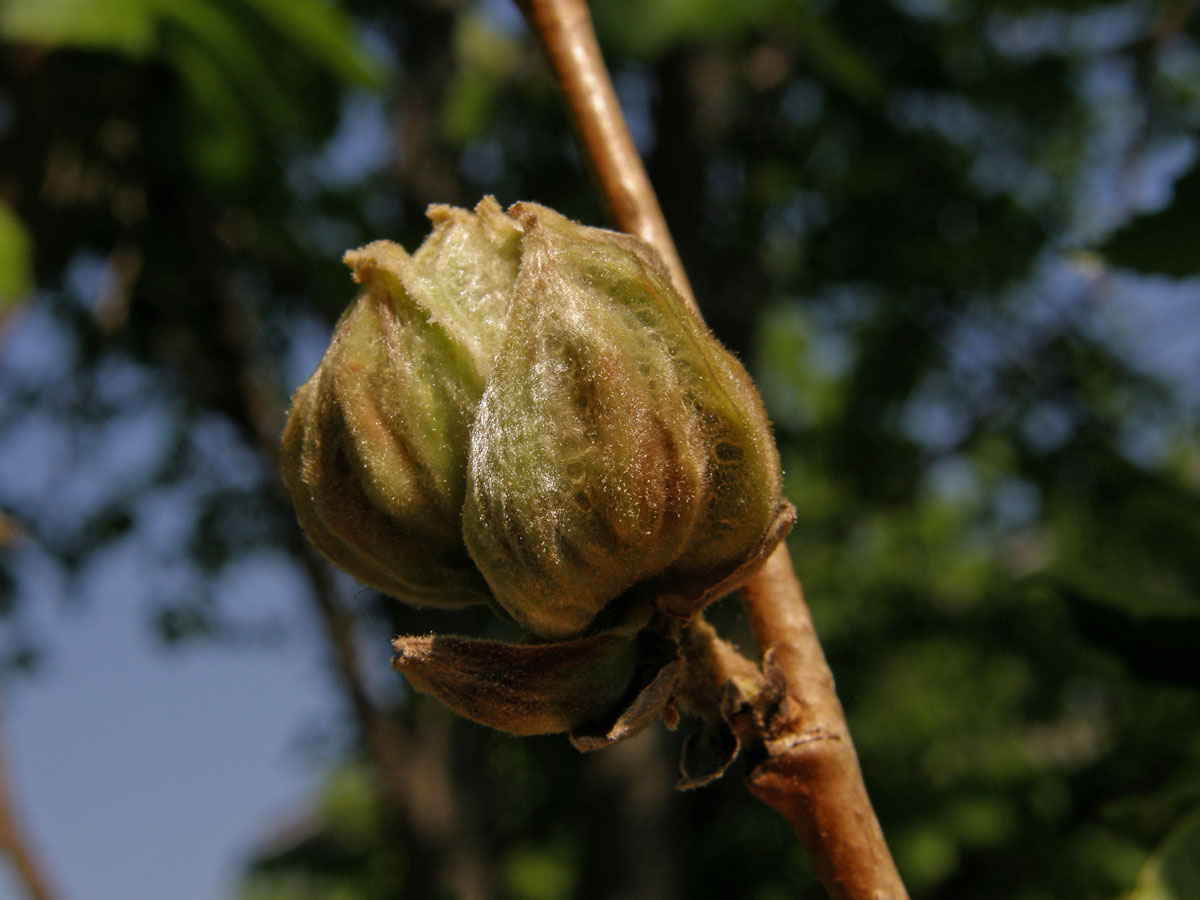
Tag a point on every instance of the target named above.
point(565, 28)
point(14, 841)
point(811, 773)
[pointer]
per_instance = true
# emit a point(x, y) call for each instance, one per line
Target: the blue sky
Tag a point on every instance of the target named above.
point(147, 772)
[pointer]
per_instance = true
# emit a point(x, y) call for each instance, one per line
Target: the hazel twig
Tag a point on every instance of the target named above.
point(810, 772)
point(565, 29)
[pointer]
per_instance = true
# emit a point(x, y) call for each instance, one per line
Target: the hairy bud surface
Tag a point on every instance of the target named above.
point(524, 413)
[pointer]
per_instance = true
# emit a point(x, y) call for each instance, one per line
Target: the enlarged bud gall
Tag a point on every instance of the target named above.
point(616, 439)
point(524, 413)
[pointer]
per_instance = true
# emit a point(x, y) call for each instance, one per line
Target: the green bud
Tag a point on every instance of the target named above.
point(374, 453)
point(616, 440)
point(524, 411)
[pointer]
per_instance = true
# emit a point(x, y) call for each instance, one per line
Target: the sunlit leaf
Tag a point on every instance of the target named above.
point(122, 26)
point(318, 29)
point(229, 54)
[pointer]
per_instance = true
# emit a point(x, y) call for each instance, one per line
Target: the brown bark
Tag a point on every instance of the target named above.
point(565, 28)
point(810, 772)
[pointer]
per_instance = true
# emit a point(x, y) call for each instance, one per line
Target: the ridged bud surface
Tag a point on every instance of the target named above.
point(524, 411)
point(616, 439)
point(374, 453)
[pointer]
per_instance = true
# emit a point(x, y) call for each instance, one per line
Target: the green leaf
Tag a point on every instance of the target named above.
point(646, 30)
point(217, 48)
point(230, 55)
point(832, 56)
point(323, 33)
point(1137, 555)
point(16, 265)
point(486, 59)
point(539, 873)
point(1173, 872)
point(315, 28)
point(122, 26)
point(221, 131)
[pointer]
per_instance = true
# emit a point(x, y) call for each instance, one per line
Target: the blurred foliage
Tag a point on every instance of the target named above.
point(341, 852)
point(1152, 243)
point(1174, 870)
point(15, 269)
point(954, 240)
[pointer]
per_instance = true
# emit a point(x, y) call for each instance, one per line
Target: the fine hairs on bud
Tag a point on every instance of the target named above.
point(604, 446)
point(523, 413)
